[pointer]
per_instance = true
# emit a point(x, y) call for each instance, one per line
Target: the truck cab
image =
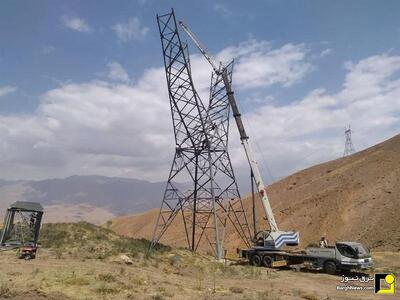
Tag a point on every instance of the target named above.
point(342, 256)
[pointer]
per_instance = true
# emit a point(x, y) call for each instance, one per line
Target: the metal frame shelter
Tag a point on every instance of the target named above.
point(21, 224)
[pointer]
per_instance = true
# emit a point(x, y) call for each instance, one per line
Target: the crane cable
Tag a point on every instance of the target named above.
point(264, 164)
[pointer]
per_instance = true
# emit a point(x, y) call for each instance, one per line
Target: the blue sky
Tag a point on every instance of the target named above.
point(58, 58)
point(30, 29)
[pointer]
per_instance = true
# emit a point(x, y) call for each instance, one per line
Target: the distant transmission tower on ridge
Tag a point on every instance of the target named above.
point(348, 147)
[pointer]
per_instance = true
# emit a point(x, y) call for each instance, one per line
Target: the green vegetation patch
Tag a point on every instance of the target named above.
point(90, 241)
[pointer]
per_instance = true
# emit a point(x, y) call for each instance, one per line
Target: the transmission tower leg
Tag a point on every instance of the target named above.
point(195, 204)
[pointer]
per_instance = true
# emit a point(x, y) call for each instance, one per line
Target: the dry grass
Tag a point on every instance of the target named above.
point(194, 277)
point(169, 274)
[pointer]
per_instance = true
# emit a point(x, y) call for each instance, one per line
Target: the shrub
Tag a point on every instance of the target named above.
point(236, 289)
point(106, 277)
point(104, 289)
point(158, 297)
point(174, 260)
point(92, 241)
point(5, 290)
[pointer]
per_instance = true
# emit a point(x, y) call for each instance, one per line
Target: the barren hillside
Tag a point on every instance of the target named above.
point(351, 198)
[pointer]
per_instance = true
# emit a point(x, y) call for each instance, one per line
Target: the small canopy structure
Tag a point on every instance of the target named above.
point(21, 224)
point(27, 206)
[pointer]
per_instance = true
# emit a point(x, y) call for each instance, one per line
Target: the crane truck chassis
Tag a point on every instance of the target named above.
point(344, 256)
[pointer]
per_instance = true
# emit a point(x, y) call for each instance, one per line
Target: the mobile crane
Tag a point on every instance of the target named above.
point(274, 238)
point(267, 244)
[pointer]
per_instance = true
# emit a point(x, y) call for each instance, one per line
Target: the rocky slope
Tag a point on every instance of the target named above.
point(350, 198)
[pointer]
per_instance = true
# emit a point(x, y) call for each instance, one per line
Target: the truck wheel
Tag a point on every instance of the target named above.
point(330, 267)
point(255, 260)
point(267, 261)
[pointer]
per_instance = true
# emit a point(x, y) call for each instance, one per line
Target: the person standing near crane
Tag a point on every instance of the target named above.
point(323, 243)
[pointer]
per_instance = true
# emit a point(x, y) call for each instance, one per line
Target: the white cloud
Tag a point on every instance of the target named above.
point(222, 9)
point(259, 65)
point(370, 76)
point(4, 90)
point(131, 30)
point(94, 127)
point(48, 49)
point(311, 130)
point(117, 72)
point(115, 129)
point(326, 52)
point(75, 23)
point(102, 127)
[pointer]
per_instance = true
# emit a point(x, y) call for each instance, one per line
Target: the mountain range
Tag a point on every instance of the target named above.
point(90, 198)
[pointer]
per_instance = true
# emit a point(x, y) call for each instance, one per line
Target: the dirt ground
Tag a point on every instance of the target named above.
point(175, 275)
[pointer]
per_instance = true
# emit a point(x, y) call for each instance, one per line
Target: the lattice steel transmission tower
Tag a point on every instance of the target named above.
point(201, 186)
point(348, 146)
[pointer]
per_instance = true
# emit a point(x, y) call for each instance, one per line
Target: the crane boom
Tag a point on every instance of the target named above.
point(242, 132)
point(250, 154)
point(201, 48)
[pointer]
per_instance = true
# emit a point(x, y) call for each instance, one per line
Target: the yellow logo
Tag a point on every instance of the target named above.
point(388, 287)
